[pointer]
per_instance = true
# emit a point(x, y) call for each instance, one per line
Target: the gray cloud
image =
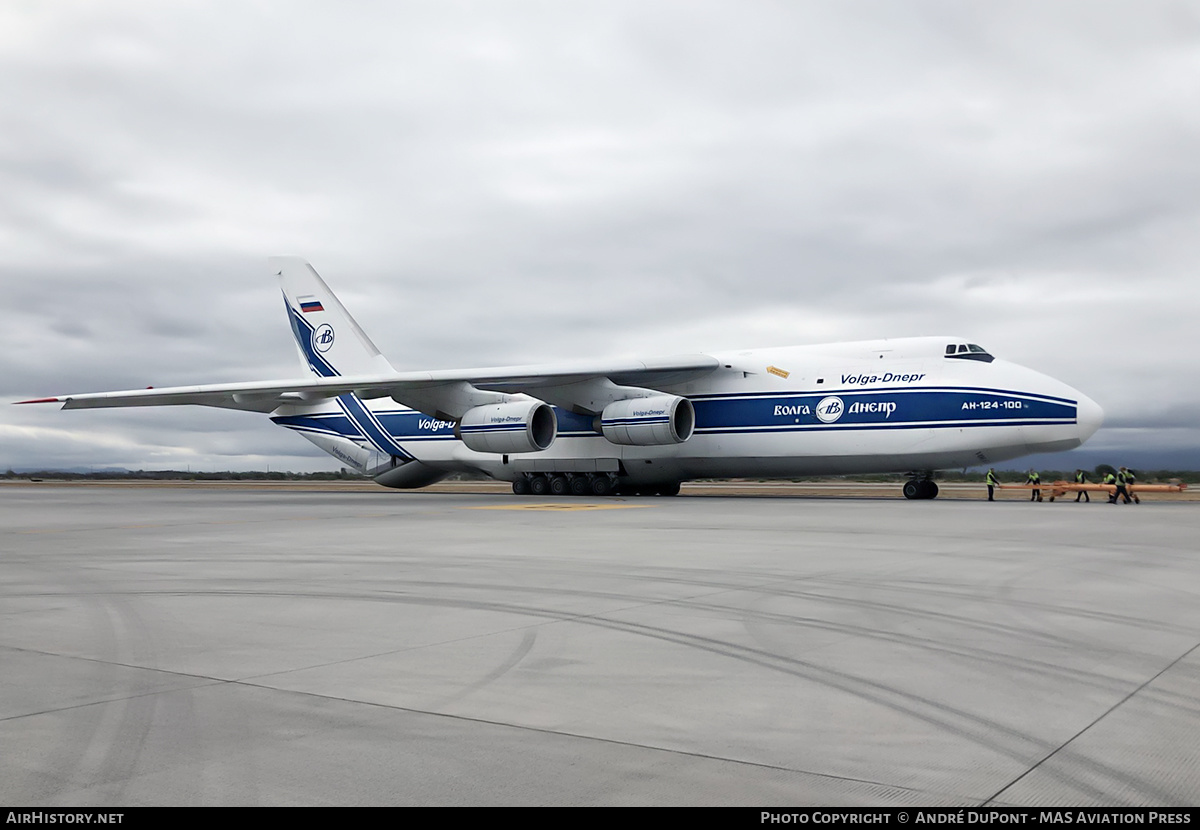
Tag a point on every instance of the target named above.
point(492, 183)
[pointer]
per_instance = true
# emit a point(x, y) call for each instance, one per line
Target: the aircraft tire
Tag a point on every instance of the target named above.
point(521, 486)
point(580, 486)
point(912, 489)
point(671, 489)
point(538, 485)
point(559, 485)
point(933, 490)
point(601, 486)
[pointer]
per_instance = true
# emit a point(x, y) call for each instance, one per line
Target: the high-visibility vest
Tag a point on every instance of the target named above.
point(1081, 477)
point(991, 479)
point(1034, 478)
point(1110, 479)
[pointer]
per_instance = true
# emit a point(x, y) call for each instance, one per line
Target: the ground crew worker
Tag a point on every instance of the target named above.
point(1081, 478)
point(1109, 478)
point(1036, 480)
point(1124, 479)
point(1130, 478)
point(992, 482)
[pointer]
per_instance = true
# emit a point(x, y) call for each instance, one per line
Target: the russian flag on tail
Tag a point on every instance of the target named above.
point(309, 303)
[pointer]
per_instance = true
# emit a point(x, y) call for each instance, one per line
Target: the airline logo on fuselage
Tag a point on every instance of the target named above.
point(830, 409)
point(887, 377)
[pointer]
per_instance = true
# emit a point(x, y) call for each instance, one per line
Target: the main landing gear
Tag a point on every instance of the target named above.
point(920, 488)
point(585, 484)
point(565, 484)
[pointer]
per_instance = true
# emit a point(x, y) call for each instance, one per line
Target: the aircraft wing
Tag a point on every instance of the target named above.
point(582, 386)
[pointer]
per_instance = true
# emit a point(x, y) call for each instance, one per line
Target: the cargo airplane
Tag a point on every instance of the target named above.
point(911, 405)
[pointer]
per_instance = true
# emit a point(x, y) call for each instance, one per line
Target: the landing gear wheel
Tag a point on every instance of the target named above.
point(559, 485)
point(538, 485)
point(671, 489)
point(920, 488)
point(579, 486)
point(601, 486)
point(521, 486)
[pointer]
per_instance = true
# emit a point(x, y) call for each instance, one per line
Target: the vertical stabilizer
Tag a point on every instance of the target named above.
point(330, 342)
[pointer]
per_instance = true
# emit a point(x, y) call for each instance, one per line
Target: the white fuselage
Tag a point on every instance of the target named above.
point(874, 406)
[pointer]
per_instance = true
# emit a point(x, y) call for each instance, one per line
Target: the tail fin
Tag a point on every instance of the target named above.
point(330, 342)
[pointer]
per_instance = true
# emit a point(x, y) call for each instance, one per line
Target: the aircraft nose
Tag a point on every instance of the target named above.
point(1089, 416)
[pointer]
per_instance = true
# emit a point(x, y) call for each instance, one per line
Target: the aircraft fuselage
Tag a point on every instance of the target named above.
point(869, 407)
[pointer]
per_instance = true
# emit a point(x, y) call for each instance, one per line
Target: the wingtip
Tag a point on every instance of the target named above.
point(39, 400)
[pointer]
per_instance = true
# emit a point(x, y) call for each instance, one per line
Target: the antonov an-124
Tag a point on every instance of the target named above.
point(913, 405)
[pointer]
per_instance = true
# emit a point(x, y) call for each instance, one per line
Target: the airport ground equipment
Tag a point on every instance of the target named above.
point(1057, 489)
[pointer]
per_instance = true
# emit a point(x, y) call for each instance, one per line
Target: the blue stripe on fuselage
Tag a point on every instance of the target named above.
point(893, 390)
point(881, 408)
point(371, 427)
point(935, 408)
point(334, 423)
point(914, 407)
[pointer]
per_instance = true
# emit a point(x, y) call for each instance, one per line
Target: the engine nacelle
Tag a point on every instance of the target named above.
point(643, 422)
point(520, 426)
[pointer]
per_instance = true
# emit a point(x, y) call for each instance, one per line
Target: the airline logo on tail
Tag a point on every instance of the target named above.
point(322, 338)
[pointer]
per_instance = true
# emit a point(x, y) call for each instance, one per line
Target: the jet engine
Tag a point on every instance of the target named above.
point(642, 422)
point(521, 426)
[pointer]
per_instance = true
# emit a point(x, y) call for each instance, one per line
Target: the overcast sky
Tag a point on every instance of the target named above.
point(509, 182)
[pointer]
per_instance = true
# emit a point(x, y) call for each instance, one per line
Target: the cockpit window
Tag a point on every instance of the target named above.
point(968, 351)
